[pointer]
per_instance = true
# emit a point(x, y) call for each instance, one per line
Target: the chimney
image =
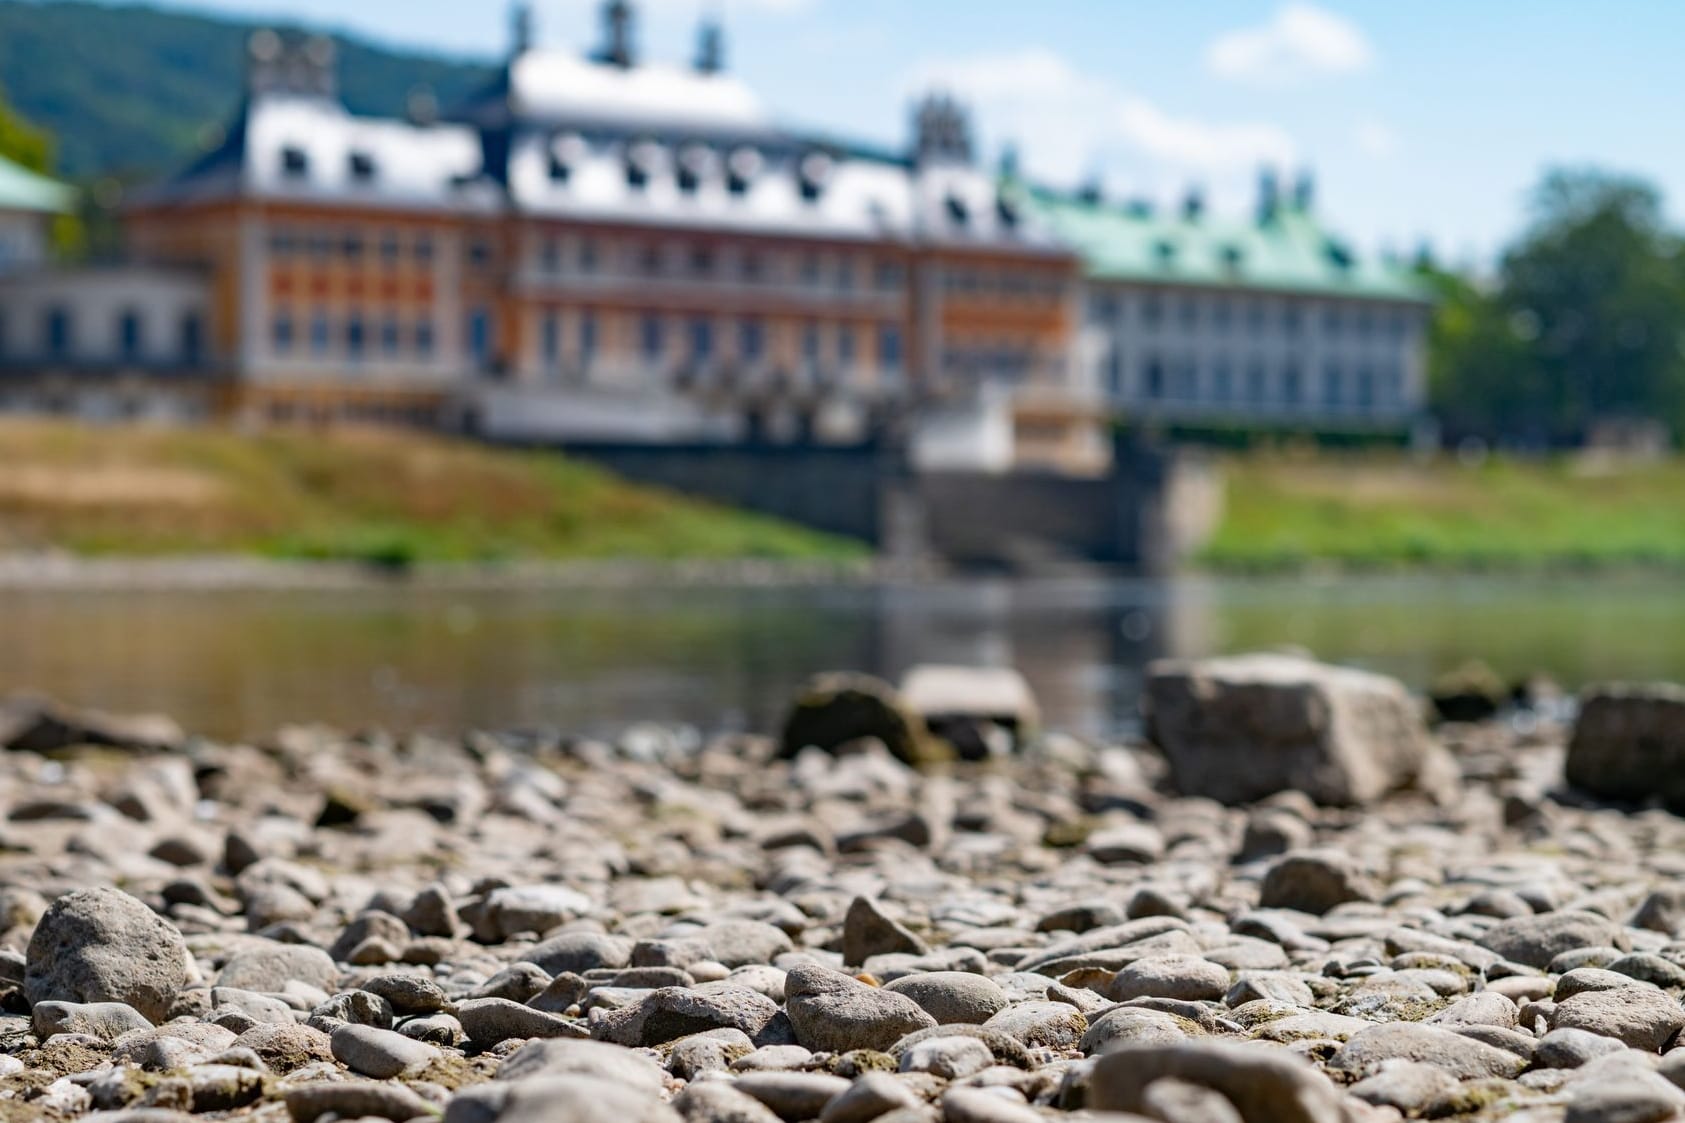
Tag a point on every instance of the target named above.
point(1304, 192)
point(941, 131)
point(1193, 205)
point(710, 47)
point(617, 48)
point(421, 107)
point(1269, 196)
point(278, 64)
point(520, 30)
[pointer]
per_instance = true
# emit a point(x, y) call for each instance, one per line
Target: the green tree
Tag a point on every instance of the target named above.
point(1585, 322)
point(22, 143)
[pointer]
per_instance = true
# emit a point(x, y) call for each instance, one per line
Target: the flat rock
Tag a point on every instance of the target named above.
point(1241, 728)
point(1458, 1056)
point(1534, 941)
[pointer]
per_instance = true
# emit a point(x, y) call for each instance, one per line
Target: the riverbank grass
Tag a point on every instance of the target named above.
point(386, 497)
point(1388, 510)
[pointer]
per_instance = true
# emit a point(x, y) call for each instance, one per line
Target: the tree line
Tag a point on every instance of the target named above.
point(1581, 324)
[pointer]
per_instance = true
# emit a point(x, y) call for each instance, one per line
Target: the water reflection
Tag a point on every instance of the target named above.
point(594, 660)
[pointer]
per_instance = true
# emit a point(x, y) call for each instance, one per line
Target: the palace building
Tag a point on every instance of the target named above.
point(599, 247)
point(603, 247)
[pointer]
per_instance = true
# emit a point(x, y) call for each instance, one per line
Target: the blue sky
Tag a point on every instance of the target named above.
point(1428, 119)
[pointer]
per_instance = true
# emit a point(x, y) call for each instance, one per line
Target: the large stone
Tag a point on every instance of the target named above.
point(1264, 1085)
point(1629, 744)
point(869, 931)
point(672, 1012)
point(1536, 940)
point(102, 945)
point(564, 1057)
point(1241, 728)
point(966, 706)
point(269, 967)
point(835, 1013)
point(1640, 1015)
point(953, 997)
point(1461, 1057)
point(557, 1099)
point(837, 709)
point(1315, 881)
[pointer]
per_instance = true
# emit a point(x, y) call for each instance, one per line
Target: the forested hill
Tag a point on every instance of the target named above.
point(137, 91)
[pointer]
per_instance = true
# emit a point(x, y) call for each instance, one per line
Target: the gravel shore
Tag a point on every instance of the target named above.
point(515, 929)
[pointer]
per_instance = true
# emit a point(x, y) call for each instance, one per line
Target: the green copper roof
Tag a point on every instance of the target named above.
point(1289, 253)
point(23, 190)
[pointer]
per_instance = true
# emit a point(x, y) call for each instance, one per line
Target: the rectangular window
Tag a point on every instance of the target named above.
point(479, 337)
point(810, 343)
point(1333, 386)
point(751, 340)
point(423, 250)
point(352, 246)
point(1152, 310)
point(192, 339)
point(390, 336)
point(479, 254)
point(129, 335)
point(1291, 390)
point(320, 334)
point(58, 333)
point(889, 348)
point(552, 339)
point(588, 337)
point(424, 338)
point(390, 250)
point(1222, 388)
point(652, 337)
point(550, 257)
point(845, 345)
point(1153, 380)
point(355, 338)
point(588, 256)
point(701, 339)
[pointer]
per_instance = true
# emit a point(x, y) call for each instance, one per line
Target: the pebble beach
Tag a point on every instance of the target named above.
point(1290, 900)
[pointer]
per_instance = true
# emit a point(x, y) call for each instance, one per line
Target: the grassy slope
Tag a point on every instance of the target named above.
point(1385, 509)
point(370, 495)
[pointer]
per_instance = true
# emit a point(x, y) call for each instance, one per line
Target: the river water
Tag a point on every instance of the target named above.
point(594, 660)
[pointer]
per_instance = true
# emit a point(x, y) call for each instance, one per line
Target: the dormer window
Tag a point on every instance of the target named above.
point(362, 167)
point(1232, 258)
point(1165, 251)
point(640, 163)
point(295, 162)
point(693, 165)
point(958, 213)
point(741, 169)
point(1340, 255)
point(1006, 212)
point(565, 153)
point(813, 173)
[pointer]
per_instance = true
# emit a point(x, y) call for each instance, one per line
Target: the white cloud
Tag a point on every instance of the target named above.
point(1376, 139)
point(1068, 125)
point(1301, 41)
